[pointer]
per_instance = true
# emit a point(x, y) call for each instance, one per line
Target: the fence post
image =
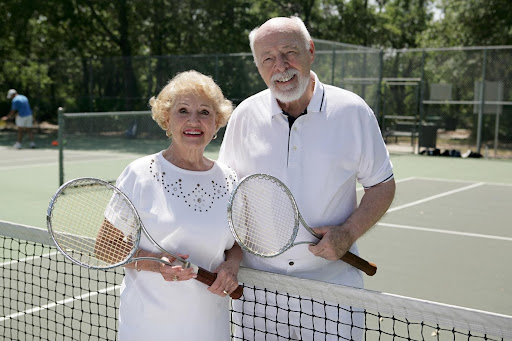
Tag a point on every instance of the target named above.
point(60, 139)
point(90, 85)
point(482, 103)
point(421, 97)
point(379, 91)
point(333, 66)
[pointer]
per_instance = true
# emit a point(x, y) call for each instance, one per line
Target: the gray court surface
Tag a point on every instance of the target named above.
point(447, 236)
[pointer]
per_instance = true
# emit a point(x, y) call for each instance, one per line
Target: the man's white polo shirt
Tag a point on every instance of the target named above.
point(337, 143)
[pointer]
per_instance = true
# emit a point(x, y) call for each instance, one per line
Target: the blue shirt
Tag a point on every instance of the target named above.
point(21, 105)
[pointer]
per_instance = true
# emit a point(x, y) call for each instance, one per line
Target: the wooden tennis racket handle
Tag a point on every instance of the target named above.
point(368, 268)
point(207, 277)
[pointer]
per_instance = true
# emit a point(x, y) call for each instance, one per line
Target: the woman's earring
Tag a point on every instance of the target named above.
point(214, 136)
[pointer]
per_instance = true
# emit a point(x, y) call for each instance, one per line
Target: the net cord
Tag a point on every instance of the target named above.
point(450, 316)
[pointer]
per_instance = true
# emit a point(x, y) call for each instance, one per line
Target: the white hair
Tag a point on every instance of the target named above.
point(296, 20)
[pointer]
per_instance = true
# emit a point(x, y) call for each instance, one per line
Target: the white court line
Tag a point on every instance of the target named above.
point(463, 181)
point(443, 179)
point(106, 158)
point(29, 166)
point(465, 234)
point(10, 161)
point(417, 202)
point(53, 304)
point(27, 259)
point(56, 163)
point(405, 179)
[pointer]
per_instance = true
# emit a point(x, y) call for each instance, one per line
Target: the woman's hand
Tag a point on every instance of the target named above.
point(227, 273)
point(169, 273)
point(176, 272)
point(226, 281)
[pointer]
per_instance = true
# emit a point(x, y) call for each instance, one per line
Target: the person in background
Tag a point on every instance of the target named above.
point(319, 140)
point(20, 108)
point(181, 197)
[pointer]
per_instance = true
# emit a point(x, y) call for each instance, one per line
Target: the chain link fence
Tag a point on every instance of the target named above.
point(455, 111)
point(423, 98)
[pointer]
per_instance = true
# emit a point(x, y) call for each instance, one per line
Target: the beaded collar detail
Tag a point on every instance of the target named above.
point(196, 197)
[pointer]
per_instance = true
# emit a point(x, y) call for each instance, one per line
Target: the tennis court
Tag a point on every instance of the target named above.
point(446, 238)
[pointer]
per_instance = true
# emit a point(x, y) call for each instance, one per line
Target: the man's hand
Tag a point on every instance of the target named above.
point(334, 243)
point(337, 240)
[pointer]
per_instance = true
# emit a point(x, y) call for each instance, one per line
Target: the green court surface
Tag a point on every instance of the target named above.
point(446, 237)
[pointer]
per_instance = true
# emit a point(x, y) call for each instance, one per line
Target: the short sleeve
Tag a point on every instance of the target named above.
point(121, 215)
point(375, 166)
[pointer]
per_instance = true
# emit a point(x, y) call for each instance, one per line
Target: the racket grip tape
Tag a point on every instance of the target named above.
point(368, 268)
point(207, 277)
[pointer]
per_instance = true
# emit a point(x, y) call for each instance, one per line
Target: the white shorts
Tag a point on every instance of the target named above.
point(24, 122)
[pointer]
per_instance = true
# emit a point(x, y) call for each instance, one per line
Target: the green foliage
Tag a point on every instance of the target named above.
point(73, 53)
point(470, 23)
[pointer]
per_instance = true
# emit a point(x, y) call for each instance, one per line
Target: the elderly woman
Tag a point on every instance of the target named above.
point(181, 197)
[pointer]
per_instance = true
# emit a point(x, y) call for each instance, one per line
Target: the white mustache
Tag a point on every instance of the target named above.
point(288, 74)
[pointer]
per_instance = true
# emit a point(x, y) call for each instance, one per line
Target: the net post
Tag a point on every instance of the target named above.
point(60, 139)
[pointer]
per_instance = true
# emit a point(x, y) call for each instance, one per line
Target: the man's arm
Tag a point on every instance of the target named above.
point(11, 114)
point(337, 240)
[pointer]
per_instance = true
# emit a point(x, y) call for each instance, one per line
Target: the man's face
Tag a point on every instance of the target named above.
point(283, 62)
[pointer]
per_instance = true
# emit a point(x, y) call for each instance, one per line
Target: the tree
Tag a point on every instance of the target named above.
point(87, 53)
point(470, 23)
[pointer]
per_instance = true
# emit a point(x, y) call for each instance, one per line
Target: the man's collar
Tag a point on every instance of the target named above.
point(274, 106)
point(315, 105)
point(317, 102)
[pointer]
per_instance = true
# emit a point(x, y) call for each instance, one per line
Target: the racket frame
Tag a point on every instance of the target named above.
point(297, 217)
point(369, 268)
point(136, 241)
point(204, 276)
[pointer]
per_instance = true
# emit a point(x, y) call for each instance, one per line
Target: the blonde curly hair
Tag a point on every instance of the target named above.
point(190, 82)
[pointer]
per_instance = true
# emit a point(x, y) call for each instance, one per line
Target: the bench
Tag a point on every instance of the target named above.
point(400, 126)
point(409, 126)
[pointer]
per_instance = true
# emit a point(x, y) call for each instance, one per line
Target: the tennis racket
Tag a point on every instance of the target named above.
point(264, 219)
point(96, 226)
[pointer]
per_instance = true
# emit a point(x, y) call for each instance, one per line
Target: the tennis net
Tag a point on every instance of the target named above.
point(46, 297)
point(101, 144)
point(106, 140)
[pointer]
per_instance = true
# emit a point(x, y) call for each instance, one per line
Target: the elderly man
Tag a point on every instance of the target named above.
point(319, 140)
point(20, 107)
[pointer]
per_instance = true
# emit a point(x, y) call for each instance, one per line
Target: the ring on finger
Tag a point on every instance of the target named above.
point(225, 292)
point(175, 278)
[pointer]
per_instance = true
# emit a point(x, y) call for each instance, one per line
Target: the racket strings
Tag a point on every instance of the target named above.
point(263, 216)
point(83, 219)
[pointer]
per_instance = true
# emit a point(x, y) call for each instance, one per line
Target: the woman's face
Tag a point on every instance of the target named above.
point(192, 121)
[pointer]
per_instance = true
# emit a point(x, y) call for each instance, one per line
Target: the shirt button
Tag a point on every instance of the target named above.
point(291, 263)
point(294, 128)
point(294, 148)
